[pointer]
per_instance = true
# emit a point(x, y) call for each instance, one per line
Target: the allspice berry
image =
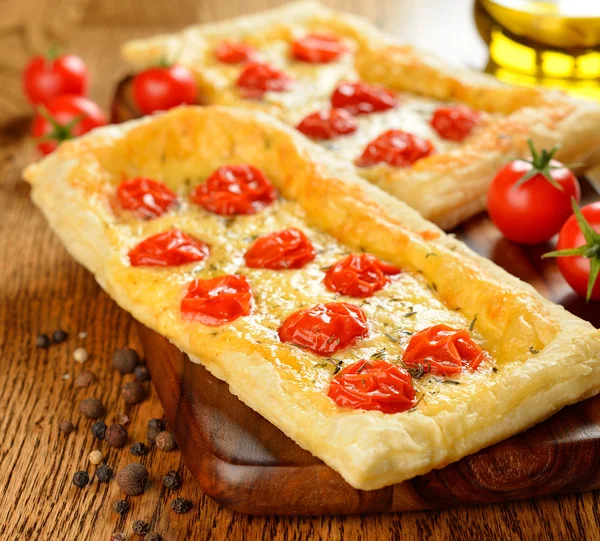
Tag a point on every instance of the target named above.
point(125, 360)
point(85, 378)
point(133, 478)
point(165, 441)
point(66, 426)
point(116, 435)
point(133, 392)
point(92, 408)
point(96, 456)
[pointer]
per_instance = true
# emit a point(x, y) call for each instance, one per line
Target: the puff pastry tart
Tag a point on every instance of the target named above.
point(427, 133)
point(360, 329)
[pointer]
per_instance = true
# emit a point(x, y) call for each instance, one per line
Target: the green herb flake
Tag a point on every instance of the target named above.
point(472, 325)
point(533, 351)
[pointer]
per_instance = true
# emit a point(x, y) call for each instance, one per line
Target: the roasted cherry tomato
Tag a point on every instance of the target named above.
point(169, 249)
point(361, 98)
point(217, 301)
point(230, 52)
point(235, 189)
point(325, 328)
point(578, 250)
point(46, 78)
point(257, 78)
point(373, 385)
point(328, 124)
point(286, 249)
point(145, 197)
point(359, 275)
point(529, 201)
point(63, 118)
point(443, 350)
point(454, 122)
point(318, 48)
point(163, 87)
point(396, 148)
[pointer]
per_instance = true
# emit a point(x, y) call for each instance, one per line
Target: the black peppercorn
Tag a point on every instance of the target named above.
point(99, 430)
point(133, 392)
point(121, 507)
point(92, 408)
point(81, 479)
point(172, 480)
point(154, 427)
point(59, 336)
point(132, 479)
point(42, 341)
point(66, 426)
point(141, 527)
point(154, 536)
point(181, 505)
point(104, 473)
point(125, 360)
point(165, 441)
point(138, 448)
point(118, 536)
point(85, 378)
point(142, 373)
point(116, 435)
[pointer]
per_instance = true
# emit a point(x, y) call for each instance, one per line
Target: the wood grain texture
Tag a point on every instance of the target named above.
point(42, 288)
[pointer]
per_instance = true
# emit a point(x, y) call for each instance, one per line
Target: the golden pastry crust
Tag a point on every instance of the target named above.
point(446, 188)
point(545, 358)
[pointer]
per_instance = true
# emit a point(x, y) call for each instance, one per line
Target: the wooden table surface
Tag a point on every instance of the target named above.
point(42, 288)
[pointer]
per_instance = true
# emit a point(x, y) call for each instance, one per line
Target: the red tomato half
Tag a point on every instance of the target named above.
point(443, 350)
point(534, 211)
point(286, 249)
point(359, 275)
point(328, 124)
point(325, 328)
point(257, 78)
point(318, 48)
point(230, 52)
point(145, 197)
point(162, 88)
point(235, 189)
point(45, 79)
point(361, 98)
point(65, 117)
point(217, 301)
point(373, 385)
point(454, 122)
point(396, 148)
point(169, 249)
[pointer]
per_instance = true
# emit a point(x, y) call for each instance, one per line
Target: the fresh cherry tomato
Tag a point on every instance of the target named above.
point(325, 328)
point(529, 201)
point(396, 148)
point(443, 350)
point(359, 275)
point(217, 301)
point(169, 249)
point(257, 78)
point(361, 98)
point(63, 118)
point(230, 52)
point(373, 385)
point(454, 122)
point(286, 249)
point(146, 197)
point(328, 124)
point(578, 250)
point(163, 87)
point(318, 48)
point(235, 189)
point(46, 78)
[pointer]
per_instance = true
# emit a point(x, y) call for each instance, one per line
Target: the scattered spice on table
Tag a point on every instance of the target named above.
point(66, 426)
point(133, 392)
point(122, 419)
point(80, 355)
point(133, 478)
point(85, 378)
point(172, 480)
point(96, 456)
point(138, 448)
point(155, 426)
point(154, 536)
point(99, 430)
point(142, 373)
point(92, 408)
point(141, 527)
point(82, 335)
point(181, 505)
point(42, 341)
point(125, 360)
point(59, 336)
point(104, 473)
point(81, 479)
point(118, 536)
point(116, 435)
point(165, 441)
point(121, 507)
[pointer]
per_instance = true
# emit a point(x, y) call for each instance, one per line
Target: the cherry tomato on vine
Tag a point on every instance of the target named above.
point(46, 77)
point(163, 87)
point(63, 118)
point(529, 200)
point(578, 250)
